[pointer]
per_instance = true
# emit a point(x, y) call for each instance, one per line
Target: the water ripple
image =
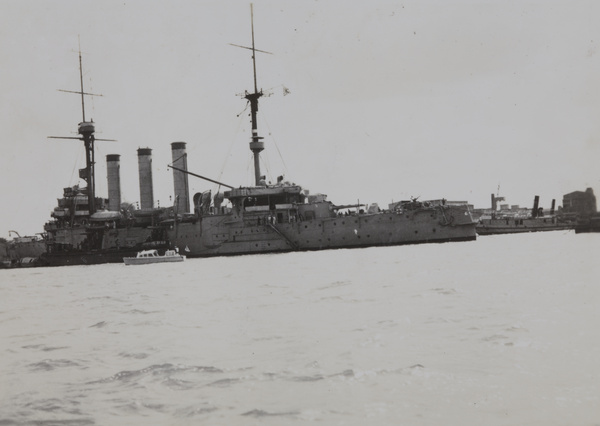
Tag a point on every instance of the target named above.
point(333, 285)
point(224, 382)
point(134, 356)
point(307, 378)
point(52, 364)
point(261, 413)
point(157, 370)
point(193, 411)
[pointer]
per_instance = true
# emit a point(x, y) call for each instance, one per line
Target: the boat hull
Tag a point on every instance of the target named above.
point(85, 257)
point(149, 260)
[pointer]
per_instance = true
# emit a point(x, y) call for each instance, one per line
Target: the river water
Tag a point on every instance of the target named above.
point(501, 331)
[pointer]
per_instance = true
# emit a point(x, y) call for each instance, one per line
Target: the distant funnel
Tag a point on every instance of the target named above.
point(113, 175)
point(145, 168)
point(180, 179)
point(536, 202)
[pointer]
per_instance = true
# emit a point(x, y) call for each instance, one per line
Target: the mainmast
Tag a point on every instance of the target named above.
point(86, 130)
point(256, 145)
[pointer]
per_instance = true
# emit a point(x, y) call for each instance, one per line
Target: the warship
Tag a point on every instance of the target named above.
point(504, 222)
point(86, 229)
point(285, 217)
point(263, 218)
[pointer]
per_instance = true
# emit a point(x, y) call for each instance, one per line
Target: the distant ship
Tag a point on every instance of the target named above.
point(284, 216)
point(21, 251)
point(581, 205)
point(502, 222)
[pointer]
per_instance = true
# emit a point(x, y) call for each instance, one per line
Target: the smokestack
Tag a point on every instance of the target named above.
point(180, 179)
point(113, 175)
point(536, 202)
point(494, 206)
point(552, 208)
point(145, 167)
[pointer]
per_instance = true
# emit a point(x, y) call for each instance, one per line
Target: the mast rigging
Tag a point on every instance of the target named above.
point(256, 145)
point(86, 130)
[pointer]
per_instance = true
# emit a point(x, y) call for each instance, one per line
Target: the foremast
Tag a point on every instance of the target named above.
point(86, 129)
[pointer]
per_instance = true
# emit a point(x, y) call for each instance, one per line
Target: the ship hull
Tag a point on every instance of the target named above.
point(517, 226)
point(589, 224)
point(221, 236)
point(85, 257)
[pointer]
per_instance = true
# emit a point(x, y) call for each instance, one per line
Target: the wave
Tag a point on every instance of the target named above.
point(156, 370)
point(262, 413)
point(52, 364)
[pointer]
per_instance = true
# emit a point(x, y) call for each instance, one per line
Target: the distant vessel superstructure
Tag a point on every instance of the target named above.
point(500, 222)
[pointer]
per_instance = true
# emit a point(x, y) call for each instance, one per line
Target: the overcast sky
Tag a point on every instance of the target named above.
point(437, 99)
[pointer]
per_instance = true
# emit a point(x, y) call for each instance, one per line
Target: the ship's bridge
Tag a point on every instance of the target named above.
point(281, 201)
point(291, 193)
